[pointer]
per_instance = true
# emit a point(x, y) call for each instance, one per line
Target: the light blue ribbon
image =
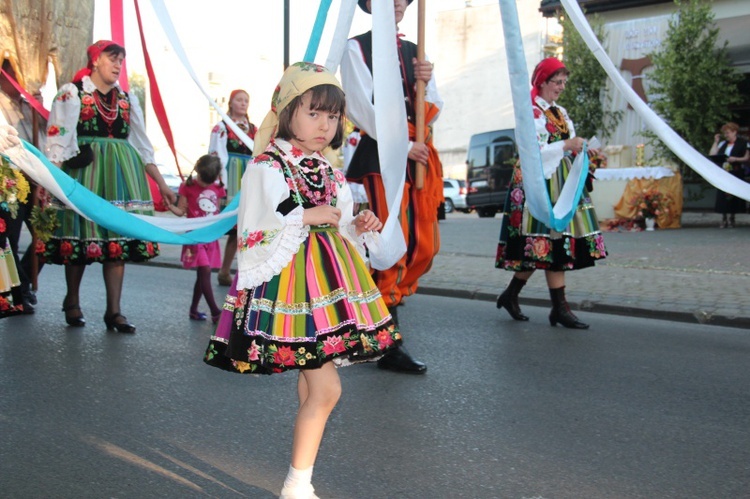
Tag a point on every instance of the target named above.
point(537, 197)
point(115, 219)
point(317, 31)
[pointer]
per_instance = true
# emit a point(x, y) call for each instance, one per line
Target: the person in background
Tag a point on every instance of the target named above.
point(234, 155)
point(731, 153)
point(305, 298)
point(199, 196)
point(96, 134)
point(526, 244)
point(419, 209)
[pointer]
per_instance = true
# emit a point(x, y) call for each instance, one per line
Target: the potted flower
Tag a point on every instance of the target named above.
point(649, 205)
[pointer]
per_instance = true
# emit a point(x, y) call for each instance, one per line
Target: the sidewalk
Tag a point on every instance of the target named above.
point(698, 273)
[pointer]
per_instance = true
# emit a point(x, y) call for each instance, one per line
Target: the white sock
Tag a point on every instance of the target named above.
point(297, 479)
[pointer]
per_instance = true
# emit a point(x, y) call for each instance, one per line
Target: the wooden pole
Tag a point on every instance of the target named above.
point(421, 86)
point(32, 202)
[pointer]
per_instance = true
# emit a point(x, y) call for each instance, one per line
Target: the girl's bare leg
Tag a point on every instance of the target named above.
point(323, 388)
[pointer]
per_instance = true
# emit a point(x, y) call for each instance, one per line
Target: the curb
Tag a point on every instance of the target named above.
point(602, 308)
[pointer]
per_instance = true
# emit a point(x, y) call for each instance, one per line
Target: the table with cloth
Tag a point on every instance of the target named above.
point(616, 188)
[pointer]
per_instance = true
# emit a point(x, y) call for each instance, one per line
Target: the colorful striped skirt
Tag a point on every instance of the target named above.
point(117, 175)
point(323, 306)
point(527, 244)
point(236, 165)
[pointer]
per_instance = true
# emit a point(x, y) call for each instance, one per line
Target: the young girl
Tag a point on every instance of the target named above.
point(305, 299)
point(199, 197)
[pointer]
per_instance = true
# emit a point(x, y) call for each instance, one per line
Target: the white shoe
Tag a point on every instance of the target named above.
point(306, 492)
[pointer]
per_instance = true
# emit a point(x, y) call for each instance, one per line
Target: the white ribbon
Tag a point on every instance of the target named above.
point(713, 174)
point(168, 27)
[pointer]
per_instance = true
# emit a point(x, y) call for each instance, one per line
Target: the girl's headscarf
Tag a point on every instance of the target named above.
point(542, 72)
point(94, 51)
point(297, 79)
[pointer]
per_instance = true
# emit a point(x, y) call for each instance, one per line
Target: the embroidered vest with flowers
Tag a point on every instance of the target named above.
point(104, 115)
point(556, 125)
point(234, 144)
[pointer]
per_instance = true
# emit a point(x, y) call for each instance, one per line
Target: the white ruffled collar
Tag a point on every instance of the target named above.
point(294, 154)
point(543, 104)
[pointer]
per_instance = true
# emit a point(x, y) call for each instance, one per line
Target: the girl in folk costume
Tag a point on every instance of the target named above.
point(234, 155)
point(96, 133)
point(305, 298)
point(199, 196)
point(526, 244)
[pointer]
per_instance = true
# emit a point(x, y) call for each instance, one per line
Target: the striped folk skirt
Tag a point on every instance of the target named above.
point(323, 306)
point(117, 175)
point(236, 165)
point(527, 244)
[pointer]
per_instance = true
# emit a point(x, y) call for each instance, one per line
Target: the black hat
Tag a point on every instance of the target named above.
point(363, 5)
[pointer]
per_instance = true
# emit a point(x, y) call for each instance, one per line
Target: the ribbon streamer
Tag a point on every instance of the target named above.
point(537, 197)
point(317, 31)
point(150, 228)
point(713, 174)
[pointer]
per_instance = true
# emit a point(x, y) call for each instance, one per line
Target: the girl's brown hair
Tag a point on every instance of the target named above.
point(327, 98)
point(208, 168)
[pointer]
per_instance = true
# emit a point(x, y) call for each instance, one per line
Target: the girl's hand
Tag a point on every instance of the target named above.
point(367, 221)
point(322, 215)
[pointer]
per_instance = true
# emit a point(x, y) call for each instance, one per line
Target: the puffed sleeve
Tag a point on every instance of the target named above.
point(217, 146)
point(137, 136)
point(552, 153)
point(267, 240)
point(432, 95)
point(62, 126)
point(357, 82)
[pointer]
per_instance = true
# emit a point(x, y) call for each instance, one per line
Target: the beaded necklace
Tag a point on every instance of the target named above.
point(302, 182)
point(558, 121)
point(108, 111)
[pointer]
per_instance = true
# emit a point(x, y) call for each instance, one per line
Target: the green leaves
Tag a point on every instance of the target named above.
point(693, 85)
point(584, 97)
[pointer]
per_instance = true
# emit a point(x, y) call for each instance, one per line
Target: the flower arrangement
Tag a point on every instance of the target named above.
point(14, 188)
point(650, 204)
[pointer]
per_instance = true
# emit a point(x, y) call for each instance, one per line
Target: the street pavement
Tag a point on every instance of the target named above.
point(698, 273)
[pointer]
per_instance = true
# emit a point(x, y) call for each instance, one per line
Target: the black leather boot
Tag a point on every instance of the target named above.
point(561, 311)
point(509, 299)
point(398, 359)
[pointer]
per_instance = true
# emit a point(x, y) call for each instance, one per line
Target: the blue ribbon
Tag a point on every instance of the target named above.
point(115, 219)
point(317, 31)
point(537, 197)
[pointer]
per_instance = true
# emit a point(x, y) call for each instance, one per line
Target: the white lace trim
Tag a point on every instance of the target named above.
point(286, 245)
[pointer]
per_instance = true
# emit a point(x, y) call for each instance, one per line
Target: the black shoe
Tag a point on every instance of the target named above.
point(118, 322)
point(28, 308)
point(561, 311)
point(75, 320)
point(399, 360)
point(29, 296)
point(508, 299)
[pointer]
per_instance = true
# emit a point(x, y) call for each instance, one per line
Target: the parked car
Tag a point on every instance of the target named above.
point(489, 166)
point(454, 192)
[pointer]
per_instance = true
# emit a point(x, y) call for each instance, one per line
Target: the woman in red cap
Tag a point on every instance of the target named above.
point(526, 244)
point(234, 155)
point(96, 133)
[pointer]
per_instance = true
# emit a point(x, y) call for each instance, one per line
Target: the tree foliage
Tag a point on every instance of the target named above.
point(585, 97)
point(693, 85)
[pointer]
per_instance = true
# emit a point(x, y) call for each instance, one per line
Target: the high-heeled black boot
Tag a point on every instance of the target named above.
point(561, 311)
point(509, 299)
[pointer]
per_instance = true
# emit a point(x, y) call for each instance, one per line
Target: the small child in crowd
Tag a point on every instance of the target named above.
point(199, 196)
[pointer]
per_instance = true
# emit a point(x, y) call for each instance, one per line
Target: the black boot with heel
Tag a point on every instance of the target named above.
point(561, 311)
point(509, 299)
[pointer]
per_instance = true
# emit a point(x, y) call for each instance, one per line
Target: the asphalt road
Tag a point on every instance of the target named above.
point(632, 408)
